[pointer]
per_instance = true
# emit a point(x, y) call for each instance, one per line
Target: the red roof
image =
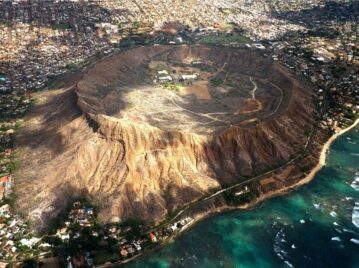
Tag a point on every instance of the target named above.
point(152, 236)
point(4, 179)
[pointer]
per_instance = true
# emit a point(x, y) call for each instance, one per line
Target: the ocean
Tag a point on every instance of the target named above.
point(315, 226)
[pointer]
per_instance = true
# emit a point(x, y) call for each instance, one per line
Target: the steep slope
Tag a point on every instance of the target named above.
point(81, 141)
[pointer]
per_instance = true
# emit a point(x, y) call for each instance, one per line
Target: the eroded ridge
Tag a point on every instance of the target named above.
point(147, 131)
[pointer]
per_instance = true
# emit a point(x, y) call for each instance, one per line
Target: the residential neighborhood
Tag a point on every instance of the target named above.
point(316, 40)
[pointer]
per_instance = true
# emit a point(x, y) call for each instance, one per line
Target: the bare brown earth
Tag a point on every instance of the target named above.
point(92, 139)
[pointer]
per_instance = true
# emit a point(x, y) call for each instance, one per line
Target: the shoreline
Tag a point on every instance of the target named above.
point(204, 215)
point(307, 179)
point(313, 172)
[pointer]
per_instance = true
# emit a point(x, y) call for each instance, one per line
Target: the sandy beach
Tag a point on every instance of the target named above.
point(313, 172)
point(203, 215)
point(322, 159)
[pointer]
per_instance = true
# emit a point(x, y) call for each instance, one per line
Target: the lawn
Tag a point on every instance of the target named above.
point(224, 38)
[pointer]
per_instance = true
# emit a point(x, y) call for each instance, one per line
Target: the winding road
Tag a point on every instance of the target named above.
point(254, 89)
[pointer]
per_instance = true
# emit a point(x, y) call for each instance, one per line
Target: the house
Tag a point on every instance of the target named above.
point(137, 246)
point(165, 78)
point(153, 238)
point(123, 252)
point(2, 192)
point(188, 76)
point(89, 211)
point(131, 250)
point(5, 209)
point(245, 190)
point(163, 72)
point(174, 227)
point(29, 242)
point(5, 181)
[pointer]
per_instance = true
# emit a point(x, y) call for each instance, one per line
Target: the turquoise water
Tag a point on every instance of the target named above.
point(311, 227)
point(2, 78)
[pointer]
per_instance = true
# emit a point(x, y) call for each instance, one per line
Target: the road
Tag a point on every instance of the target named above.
point(254, 89)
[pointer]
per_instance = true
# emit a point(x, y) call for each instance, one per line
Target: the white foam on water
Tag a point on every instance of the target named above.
point(302, 221)
point(279, 242)
point(336, 238)
point(355, 183)
point(338, 230)
point(355, 215)
point(333, 214)
point(293, 246)
point(355, 241)
point(316, 205)
point(346, 230)
point(289, 264)
point(335, 223)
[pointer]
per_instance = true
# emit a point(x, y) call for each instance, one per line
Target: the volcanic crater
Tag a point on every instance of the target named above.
point(151, 129)
point(227, 89)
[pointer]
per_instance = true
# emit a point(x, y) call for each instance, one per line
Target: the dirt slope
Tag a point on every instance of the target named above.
point(78, 142)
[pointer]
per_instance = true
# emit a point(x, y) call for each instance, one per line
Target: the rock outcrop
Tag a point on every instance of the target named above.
point(78, 142)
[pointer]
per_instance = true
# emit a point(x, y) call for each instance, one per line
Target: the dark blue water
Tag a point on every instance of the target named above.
point(312, 227)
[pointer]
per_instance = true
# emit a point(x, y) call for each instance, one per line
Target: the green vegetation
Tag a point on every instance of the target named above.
point(308, 53)
point(225, 11)
point(61, 26)
point(172, 86)
point(232, 199)
point(53, 85)
point(224, 38)
point(338, 71)
point(33, 102)
point(71, 66)
point(104, 256)
point(204, 67)
point(4, 23)
point(348, 113)
point(216, 81)
point(136, 24)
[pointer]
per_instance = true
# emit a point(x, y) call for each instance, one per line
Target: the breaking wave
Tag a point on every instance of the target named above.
point(355, 215)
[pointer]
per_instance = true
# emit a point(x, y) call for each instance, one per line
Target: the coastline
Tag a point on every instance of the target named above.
point(305, 180)
point(308, 178)
point(204, 215)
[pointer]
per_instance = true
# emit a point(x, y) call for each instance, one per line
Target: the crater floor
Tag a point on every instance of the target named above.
point(196, 89)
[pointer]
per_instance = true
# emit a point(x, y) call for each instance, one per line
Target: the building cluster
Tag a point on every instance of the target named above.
point(326, 55)
point(332, 73)
point(40, 40)
point(16, 239)
point(125, 239)
point(5, 186)
point(79, 215)
point(180, 225)
point(165, 76)
point(80, 260)
point(193, 13)
point(12, 107)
